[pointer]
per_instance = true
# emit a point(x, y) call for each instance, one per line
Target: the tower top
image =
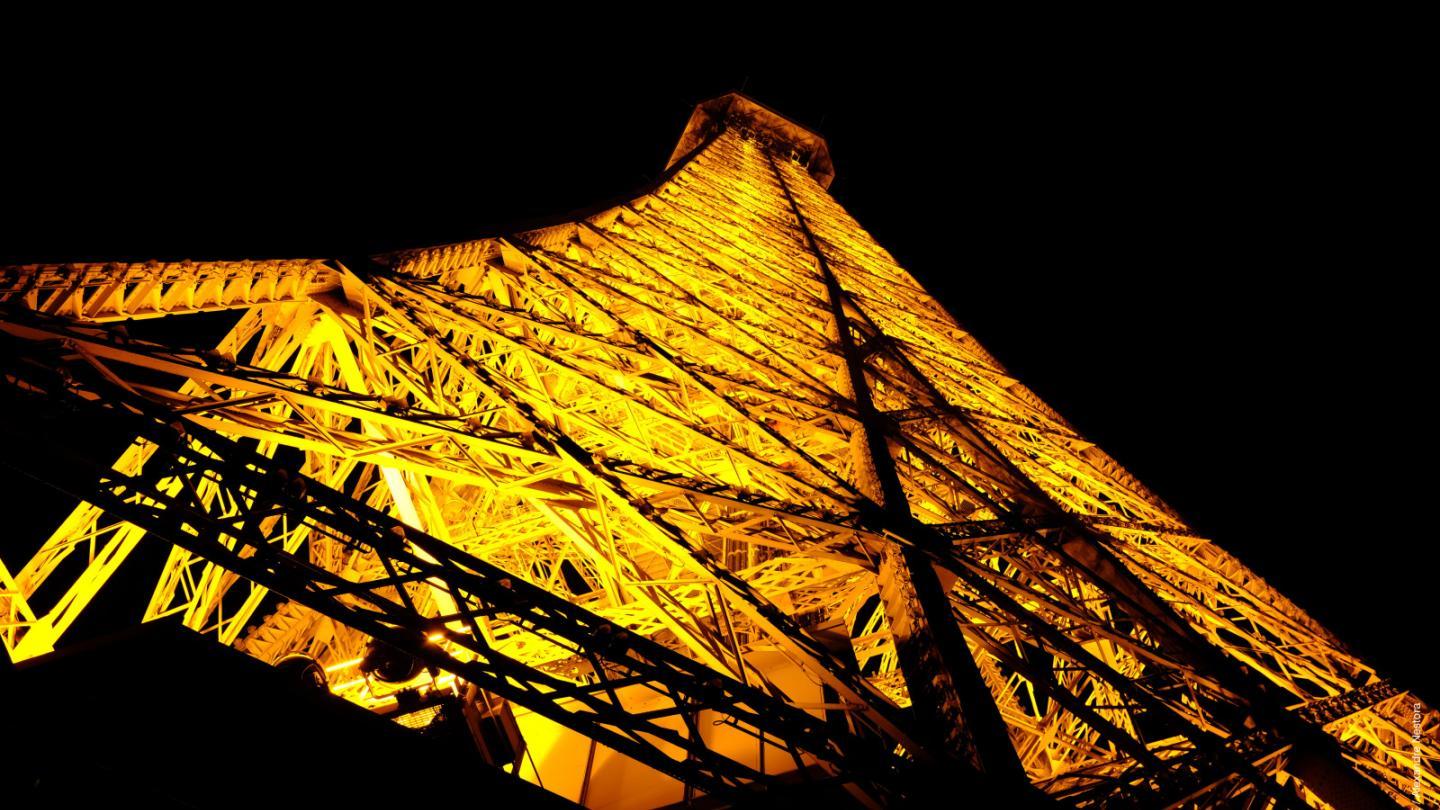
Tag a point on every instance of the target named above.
point(734, 109)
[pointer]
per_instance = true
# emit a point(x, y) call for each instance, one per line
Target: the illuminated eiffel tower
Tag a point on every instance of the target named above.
point(699, 498)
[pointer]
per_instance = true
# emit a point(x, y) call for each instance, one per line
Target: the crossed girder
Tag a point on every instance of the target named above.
point(717, 416)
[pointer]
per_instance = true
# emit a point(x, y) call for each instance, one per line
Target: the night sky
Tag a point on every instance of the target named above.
point(1194, 257)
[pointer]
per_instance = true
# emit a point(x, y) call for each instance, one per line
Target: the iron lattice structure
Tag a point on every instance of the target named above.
point(707, 487)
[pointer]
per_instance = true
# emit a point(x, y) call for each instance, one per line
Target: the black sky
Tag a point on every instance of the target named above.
point(1196, 256)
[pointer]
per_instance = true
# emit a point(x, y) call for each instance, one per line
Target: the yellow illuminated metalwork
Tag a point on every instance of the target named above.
point(688, 342)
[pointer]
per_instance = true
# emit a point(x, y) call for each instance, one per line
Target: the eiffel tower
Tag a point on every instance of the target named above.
point(698, 499)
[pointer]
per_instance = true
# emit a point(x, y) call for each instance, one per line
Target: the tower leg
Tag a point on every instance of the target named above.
point(952, 705)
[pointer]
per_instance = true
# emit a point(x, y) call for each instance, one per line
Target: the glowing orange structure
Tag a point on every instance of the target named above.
point(701, 495)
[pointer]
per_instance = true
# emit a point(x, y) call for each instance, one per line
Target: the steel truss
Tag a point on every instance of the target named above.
point(254, 506)
point(707, 421)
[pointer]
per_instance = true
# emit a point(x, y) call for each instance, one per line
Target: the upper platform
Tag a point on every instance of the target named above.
point(735, 109)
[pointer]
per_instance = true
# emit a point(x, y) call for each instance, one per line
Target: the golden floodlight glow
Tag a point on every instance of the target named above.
point(714, 493)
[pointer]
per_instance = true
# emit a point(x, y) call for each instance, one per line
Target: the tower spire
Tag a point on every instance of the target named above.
point(760, 123)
